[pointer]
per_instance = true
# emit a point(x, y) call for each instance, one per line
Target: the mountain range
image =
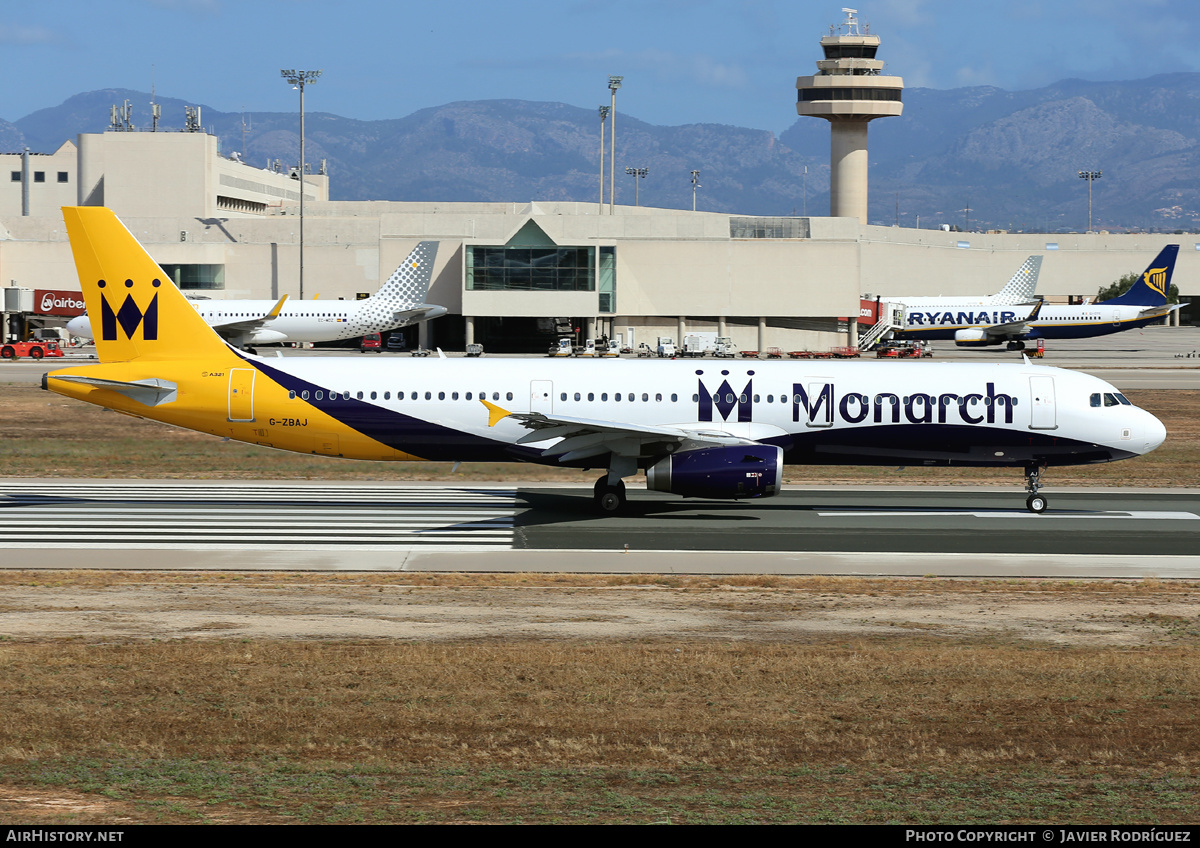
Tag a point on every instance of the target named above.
point(973, 158)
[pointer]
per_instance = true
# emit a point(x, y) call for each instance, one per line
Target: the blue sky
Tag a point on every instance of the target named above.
point(684, 61)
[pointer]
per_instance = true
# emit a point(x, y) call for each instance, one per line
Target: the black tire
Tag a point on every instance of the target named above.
point(1036, 504)
point(609, 500)
point(7, 353)
point(36, 353)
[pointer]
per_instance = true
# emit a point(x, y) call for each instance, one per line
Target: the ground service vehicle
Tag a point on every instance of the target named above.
point(34, 349)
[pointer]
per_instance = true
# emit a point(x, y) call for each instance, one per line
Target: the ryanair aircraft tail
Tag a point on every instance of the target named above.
point(142, 315)
point(1152, 287)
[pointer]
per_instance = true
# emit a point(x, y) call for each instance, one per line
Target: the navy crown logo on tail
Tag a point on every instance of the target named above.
point(129, 316)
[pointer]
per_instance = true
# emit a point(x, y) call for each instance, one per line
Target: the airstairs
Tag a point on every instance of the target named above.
point(891, 318)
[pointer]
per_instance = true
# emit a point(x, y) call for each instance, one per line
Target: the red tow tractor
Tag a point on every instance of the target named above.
point(34, 349)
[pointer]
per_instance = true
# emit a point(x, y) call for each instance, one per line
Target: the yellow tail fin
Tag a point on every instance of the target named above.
point(136, 311)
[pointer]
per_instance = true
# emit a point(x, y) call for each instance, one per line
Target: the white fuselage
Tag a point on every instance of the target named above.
point(836, 412)
point(1061, 321)
point(297, 321)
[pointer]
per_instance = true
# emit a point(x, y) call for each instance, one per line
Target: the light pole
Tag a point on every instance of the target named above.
point(603, 119)
point(299, 79)
point(1091, 177)
point(613, 84)
point(695, 185)
point(637, 174)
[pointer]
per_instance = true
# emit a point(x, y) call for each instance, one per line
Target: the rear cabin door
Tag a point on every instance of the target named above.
point(241, 394)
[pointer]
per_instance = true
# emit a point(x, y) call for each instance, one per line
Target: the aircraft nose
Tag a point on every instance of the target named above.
point(1155, 433)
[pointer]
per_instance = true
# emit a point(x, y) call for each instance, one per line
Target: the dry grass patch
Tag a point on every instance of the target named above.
point(907, 701)
point(929, 723)
point(849, 730)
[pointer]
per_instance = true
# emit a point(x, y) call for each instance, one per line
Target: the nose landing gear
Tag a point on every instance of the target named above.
point(1035, 503)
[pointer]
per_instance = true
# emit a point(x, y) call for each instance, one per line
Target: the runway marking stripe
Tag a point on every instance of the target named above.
point(184, 517)
point(449, 545)
point(911, 513)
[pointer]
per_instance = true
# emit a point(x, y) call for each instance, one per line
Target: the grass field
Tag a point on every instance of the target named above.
point(914, 721)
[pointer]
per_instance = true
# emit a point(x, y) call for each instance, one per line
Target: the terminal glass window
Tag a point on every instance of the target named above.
point(531, 268)
point(760, 228)
point(196, 277)
point(608, 280)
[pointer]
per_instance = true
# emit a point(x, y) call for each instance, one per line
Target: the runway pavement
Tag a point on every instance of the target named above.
point(362, 526)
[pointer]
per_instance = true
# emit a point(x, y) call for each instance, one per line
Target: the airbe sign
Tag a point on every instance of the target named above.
point(129, 316)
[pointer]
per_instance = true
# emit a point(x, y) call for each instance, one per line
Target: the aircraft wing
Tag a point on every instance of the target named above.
point(249, 325)
point(1015, 328)
point(586, 437)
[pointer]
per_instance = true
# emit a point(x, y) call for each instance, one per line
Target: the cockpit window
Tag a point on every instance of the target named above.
point(1124, 400)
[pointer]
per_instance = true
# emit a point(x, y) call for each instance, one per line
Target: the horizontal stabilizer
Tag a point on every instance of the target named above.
point(150, 392)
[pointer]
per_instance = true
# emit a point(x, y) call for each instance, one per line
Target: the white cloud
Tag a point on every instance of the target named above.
point(698, 67)
point(195, 7)
point(16, 34)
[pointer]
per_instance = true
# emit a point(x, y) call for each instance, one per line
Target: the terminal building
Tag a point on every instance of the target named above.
point(516, 275)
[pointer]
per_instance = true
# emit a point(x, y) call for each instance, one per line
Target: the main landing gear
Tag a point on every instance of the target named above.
point(1016, 345)
point(609, 492)
point(610, 499)
point(1035, 503)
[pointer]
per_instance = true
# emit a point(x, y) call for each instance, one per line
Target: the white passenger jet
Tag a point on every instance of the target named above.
point(399, 302)
point(699, 429)
point(1144, 303)
point(1018, 290)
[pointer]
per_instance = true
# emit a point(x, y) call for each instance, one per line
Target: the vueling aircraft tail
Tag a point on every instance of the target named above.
point(409, 284)
point(1155, 282)
point(1023, 284)
point(129, 297)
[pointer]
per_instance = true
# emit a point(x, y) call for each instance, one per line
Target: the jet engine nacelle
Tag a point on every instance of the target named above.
point(733, 471)
point(973, 337)
point(267, 337)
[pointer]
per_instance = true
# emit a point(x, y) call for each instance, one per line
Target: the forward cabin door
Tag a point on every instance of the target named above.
point(1041, 393)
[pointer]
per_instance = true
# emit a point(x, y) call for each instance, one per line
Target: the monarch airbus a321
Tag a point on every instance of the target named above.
point(699, 429)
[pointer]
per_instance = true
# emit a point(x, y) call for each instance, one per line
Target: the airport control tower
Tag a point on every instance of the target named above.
point(848, 91)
